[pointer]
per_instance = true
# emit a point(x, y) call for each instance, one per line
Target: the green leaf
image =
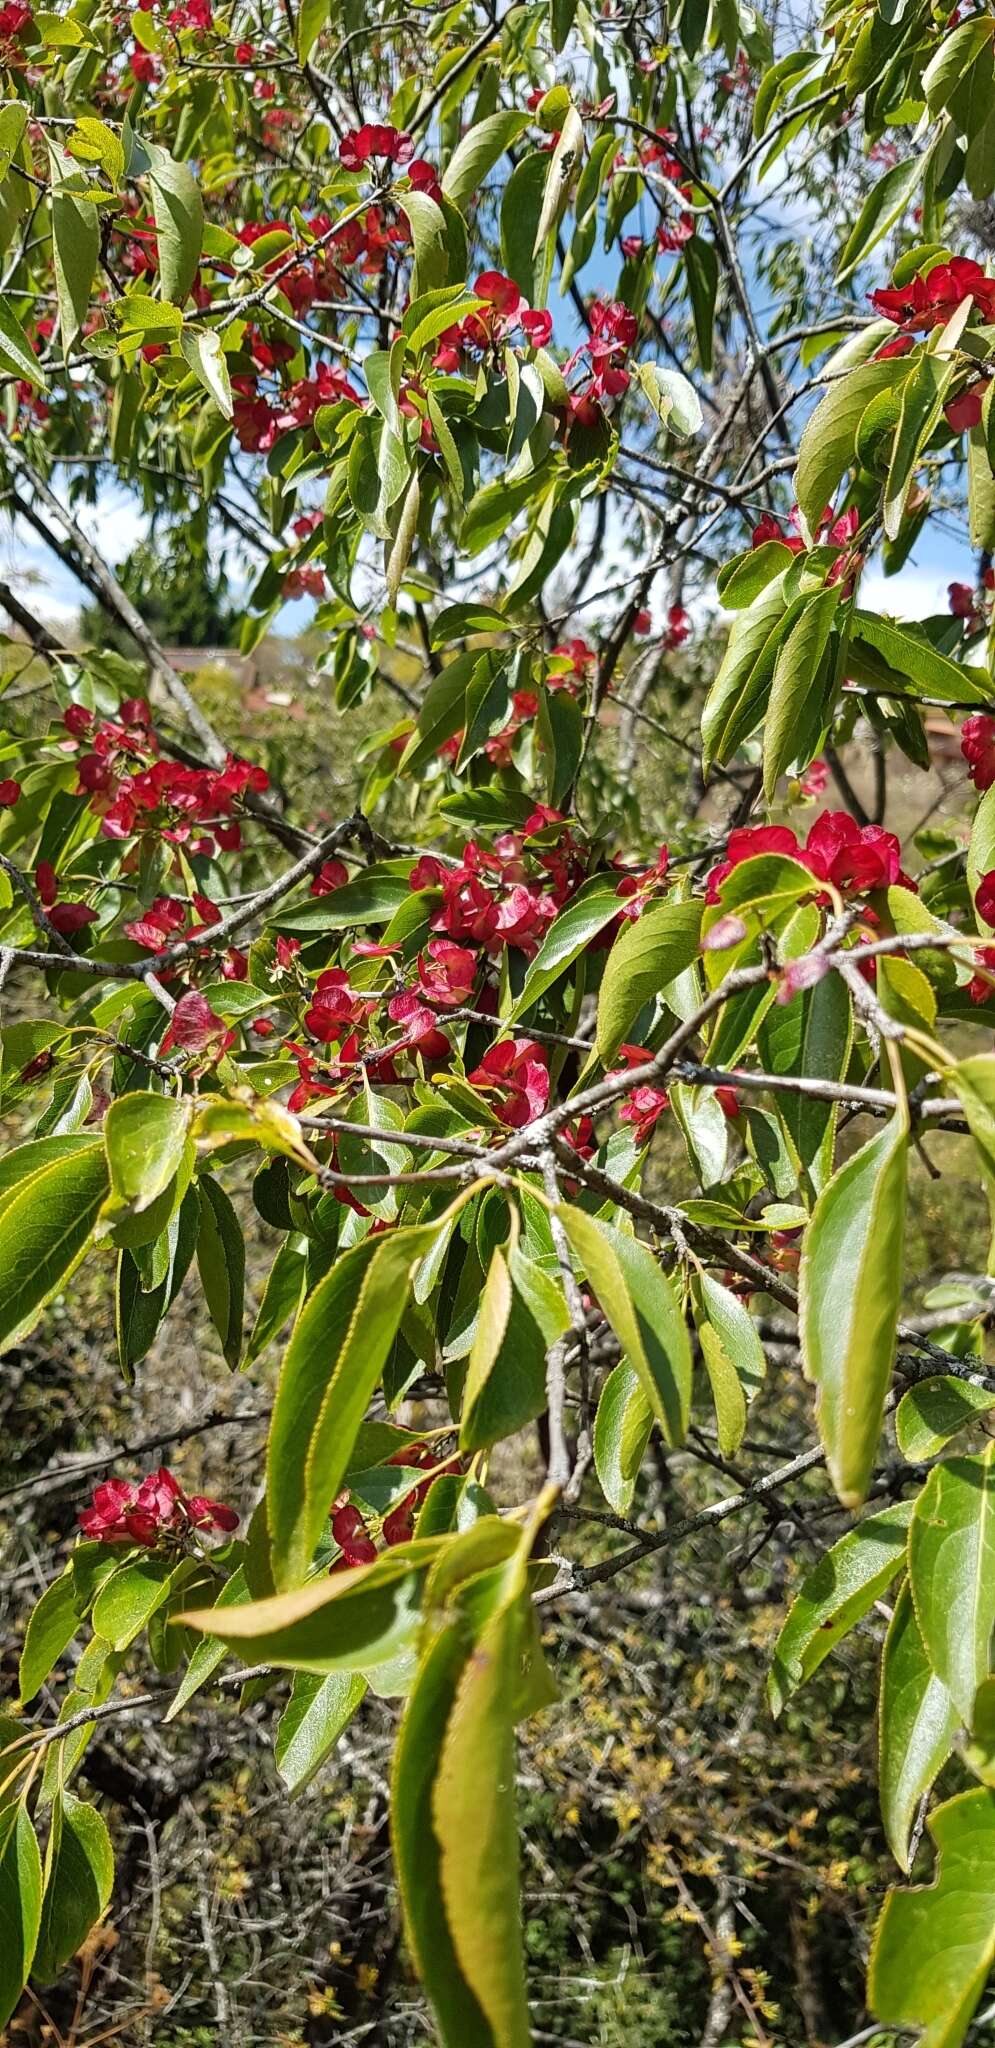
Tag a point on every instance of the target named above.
point(52, 1624)
point(209, 1655)
point(416, 1846)
point(701, 262)
point(221, 1265)
point(20, 1910)
point(849, 1294)
point(443, 709)
point(908, 654)
point(733, 1355)
point(934, 1945)
point(956, 55)
point(13, 121)
point(826, 448)
point(973, 1079)
point(622, 1429)
point(735, 702)
point(203, 350)
point(348, 1621)
point(429, 237)
point(640, 1304)
point(129, 1598)
point(479, 151)
point(673, 398)
point(478, 1865)
point(521, 205)
point(836, 1595)
point(16, 353)
point(647, 956)
point(311, 19)
point(794, 686)
point(934, 1411)
point(317, 1712)
point(75, 247)
point(505, 1386)
point(146, 1137)
point(178, 212)
point(593, 907)
point(952, 1572)
point(565, 159)
point(333, 1362)
point(45, 1230)
point(809, 1036)
point(282, 1298)
point(917, 1721)
point(370, 898)
point(884, 205)
point(78, 1886)
point(921, 411)
point(93, 142)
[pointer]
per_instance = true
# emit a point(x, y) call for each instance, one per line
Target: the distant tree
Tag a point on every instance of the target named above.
point(182, 594)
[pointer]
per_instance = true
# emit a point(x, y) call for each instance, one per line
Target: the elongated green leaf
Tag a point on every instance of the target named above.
point(589, 911)
point(843, 1587)
point(221, 1264)
point(45, 1229)
point(646, 957)
point(312, 16)
point(701, 262)
point(20, 1910)
point(347, 1621)
point(735, 702)
point(952, 1572)
point(429, 237)
point(51, 1628)
point(641, 1306)
point(973, 1080)
point(810, 1036)
point(849, 1293)
point(417, 1853)
point(145, 1136)
point(332, 1364)
point(934, 1411)
point(900, 650)
point(826, 448)
point(934, 1945)
point(479, 1864)
point(202, 349)
point(884, 205)
point(921, 411)
point(733, 1355)
point(75, 248)
point(564, 161)
point(178, 212)
point(129, 1598)
point(622, 1428)
point(521, 1312)
point(479, 151)
point(917, 1725)
point(16, 352)
point(796, 670)
point(317, 1712)
point(208, 1655)
point(77, 1888)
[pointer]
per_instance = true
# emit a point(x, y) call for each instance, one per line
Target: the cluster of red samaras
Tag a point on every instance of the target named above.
point(349, 1527)
point(150, 1511)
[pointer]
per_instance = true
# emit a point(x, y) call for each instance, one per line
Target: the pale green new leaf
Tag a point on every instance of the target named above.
point(317, 1712)
point(937, 1409)
point(642, 1308)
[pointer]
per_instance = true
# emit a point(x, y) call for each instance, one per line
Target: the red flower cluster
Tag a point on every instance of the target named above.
point(977, 744)
point(135, 790)
point(151, 1511)
point(643, 1106)
point(854, 858)
point(495, 897)
point(675, 232)
point(375, 140)
point(929, 301)
point(195, 1027)
point(516, 1074)
point(612, 332)
point(965, 410)
point(831, 531)
point(504, 310)
point(349, 1527)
